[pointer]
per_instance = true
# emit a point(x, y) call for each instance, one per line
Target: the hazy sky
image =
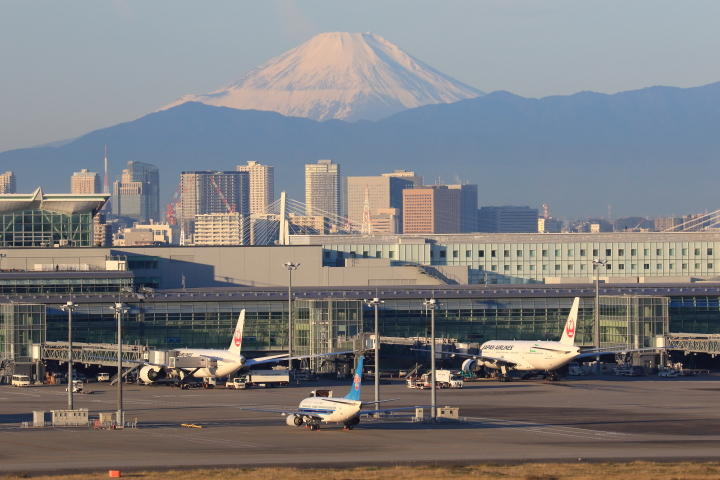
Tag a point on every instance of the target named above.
point(68, 67)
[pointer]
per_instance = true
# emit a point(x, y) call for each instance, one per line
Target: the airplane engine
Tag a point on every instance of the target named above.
point(469, 365)
point(150, 374)
point(294, 420)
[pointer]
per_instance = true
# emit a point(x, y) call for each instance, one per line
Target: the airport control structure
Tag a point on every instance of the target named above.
point(653, 289)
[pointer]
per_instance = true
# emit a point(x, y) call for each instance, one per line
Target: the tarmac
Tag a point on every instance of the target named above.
point(577, 419)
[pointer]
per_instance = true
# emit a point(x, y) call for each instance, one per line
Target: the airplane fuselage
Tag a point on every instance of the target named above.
point(528, 355)
point(227, 363)
point(334, 410)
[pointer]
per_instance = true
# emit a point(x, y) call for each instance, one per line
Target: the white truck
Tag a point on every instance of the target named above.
point(20, 381)
point(260, 378)
point(445, 379)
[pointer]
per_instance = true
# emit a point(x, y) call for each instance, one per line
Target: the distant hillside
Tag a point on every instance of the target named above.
point(646, 152)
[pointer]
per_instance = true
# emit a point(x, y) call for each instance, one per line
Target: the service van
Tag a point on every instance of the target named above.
point(20, 381)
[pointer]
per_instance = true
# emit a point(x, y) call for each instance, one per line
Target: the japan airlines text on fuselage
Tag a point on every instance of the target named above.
point(528, 355)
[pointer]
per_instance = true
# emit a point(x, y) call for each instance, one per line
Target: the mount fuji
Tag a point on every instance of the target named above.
point(347, 76)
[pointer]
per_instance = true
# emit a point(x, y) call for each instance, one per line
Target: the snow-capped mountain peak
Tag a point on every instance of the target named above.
point(348, 76)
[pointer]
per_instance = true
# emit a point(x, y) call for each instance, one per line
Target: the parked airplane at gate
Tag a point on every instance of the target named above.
point(347, 410)
point(528, 356)
point(222, 362)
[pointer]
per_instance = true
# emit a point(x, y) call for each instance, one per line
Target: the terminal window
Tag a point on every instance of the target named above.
point(532, 253)
point(570, 252)
point(493, 253)
point(709, 251)
point(646, 251)
point(519, 253)
point(481, 253)
point(684, 251)
point(570, 267)
point(621, 252)
point(684, 266)
point(671, 252)
point(658, 252)
point(519, 268)
point(697, 266)
point(596, 252)
point(697, 251)
point(493, 268)
point(506, 253)
point(506, 268)
point(557, 253)
point(557, 267)
point(633, 252)
point(608, 252)
point(646, 266)
point(658, 266)
point(455, 254)
point(582, 252)
point(710, 266)
point(544, 253)
point(468, 254)
point(621, 266)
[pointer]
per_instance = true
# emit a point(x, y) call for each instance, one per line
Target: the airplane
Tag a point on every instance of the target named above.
point(313, 411)
point(529, 356)
point(218, 363)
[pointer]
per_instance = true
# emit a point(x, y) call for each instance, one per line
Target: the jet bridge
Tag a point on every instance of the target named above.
point(693, 342)
point(104, 354)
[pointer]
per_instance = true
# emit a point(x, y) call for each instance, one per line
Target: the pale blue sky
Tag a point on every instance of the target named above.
point(67, 67)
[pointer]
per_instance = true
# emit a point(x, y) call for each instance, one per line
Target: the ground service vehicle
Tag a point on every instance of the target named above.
point(260, 378)
point(448, 379)
point(103, 377)
point(20, 381)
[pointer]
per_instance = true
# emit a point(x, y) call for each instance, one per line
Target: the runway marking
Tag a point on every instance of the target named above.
point(550, 429)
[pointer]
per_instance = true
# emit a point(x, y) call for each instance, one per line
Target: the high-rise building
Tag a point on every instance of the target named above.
point(137, 194)
point(322, 188)
point(84, 182)
point(431, 209)
point(7, 182)
point(366, 196)
point(262, 185)
point(468, 206)
point(416, 180)
point(219, 229)
point(205, 192)
point(507, 219)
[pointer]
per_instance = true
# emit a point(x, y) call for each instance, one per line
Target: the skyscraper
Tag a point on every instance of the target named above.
point(262, 185)
point(468, 206)
point(7, 182)
point(431, 209)
point(137, 193)
point(507, 219)
point(382, 193)
point(416, 180)
point(205, 192)
point(84, 182)
point(322, 188)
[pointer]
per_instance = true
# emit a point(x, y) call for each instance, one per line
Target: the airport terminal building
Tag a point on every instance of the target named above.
point(489, 286)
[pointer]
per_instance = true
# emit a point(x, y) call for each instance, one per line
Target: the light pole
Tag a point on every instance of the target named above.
point(69, 307)
point(290, 267)
point(431, 305)
point(119, 308)
point(375, 303)
point(597, 263)
point(596, 333)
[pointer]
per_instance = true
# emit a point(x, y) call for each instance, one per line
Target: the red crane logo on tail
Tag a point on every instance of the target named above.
point(237, 338)
point(570, 328)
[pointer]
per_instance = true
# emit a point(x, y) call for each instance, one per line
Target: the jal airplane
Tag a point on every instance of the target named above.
point(347, 410)
point(527, 356)
point(224, 362)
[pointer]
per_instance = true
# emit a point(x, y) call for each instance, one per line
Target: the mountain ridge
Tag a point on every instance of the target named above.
point(649, 151)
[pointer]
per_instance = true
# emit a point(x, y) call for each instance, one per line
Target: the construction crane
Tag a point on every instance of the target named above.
point(230, 208)
point(172, 206)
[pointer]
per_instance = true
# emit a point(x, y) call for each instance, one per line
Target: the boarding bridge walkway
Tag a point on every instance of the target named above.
point(104, 354)
point(693, 342)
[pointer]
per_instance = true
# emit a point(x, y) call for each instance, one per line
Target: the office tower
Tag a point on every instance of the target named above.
point(507, 219)
point(667, 223)
point(468, 206)
point(84, 182)
point(219, 229)
point(416, 180)
point(322, 188)
point(431, 209)
point(205, 192)
point(137, 194)
point(549, 225)
point(374, 194)
point(7, 182)
point(262, 185)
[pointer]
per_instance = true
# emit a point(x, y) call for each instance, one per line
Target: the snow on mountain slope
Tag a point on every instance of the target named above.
point(348, 76)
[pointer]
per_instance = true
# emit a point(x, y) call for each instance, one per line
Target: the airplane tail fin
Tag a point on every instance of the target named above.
point(354, 393)
point(236, 342)
point(568, 336)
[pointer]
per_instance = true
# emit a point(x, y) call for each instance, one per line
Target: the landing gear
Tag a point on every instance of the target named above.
point(350, 424)
point(313, 427)
point(552, 377)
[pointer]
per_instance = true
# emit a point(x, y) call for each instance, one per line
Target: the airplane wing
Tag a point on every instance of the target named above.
point(619, 349)
point(484, 358)
point(283, 357)
point(283, 412)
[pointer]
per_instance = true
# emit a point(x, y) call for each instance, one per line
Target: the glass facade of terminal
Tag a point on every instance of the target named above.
point(322, 324)
point(535, 262)
point(41, 228)
point(21, 325)
point(35, 283)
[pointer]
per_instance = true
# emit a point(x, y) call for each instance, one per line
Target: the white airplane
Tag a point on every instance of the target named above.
point(219, 363)
point(529, 356)
point(347, 410)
